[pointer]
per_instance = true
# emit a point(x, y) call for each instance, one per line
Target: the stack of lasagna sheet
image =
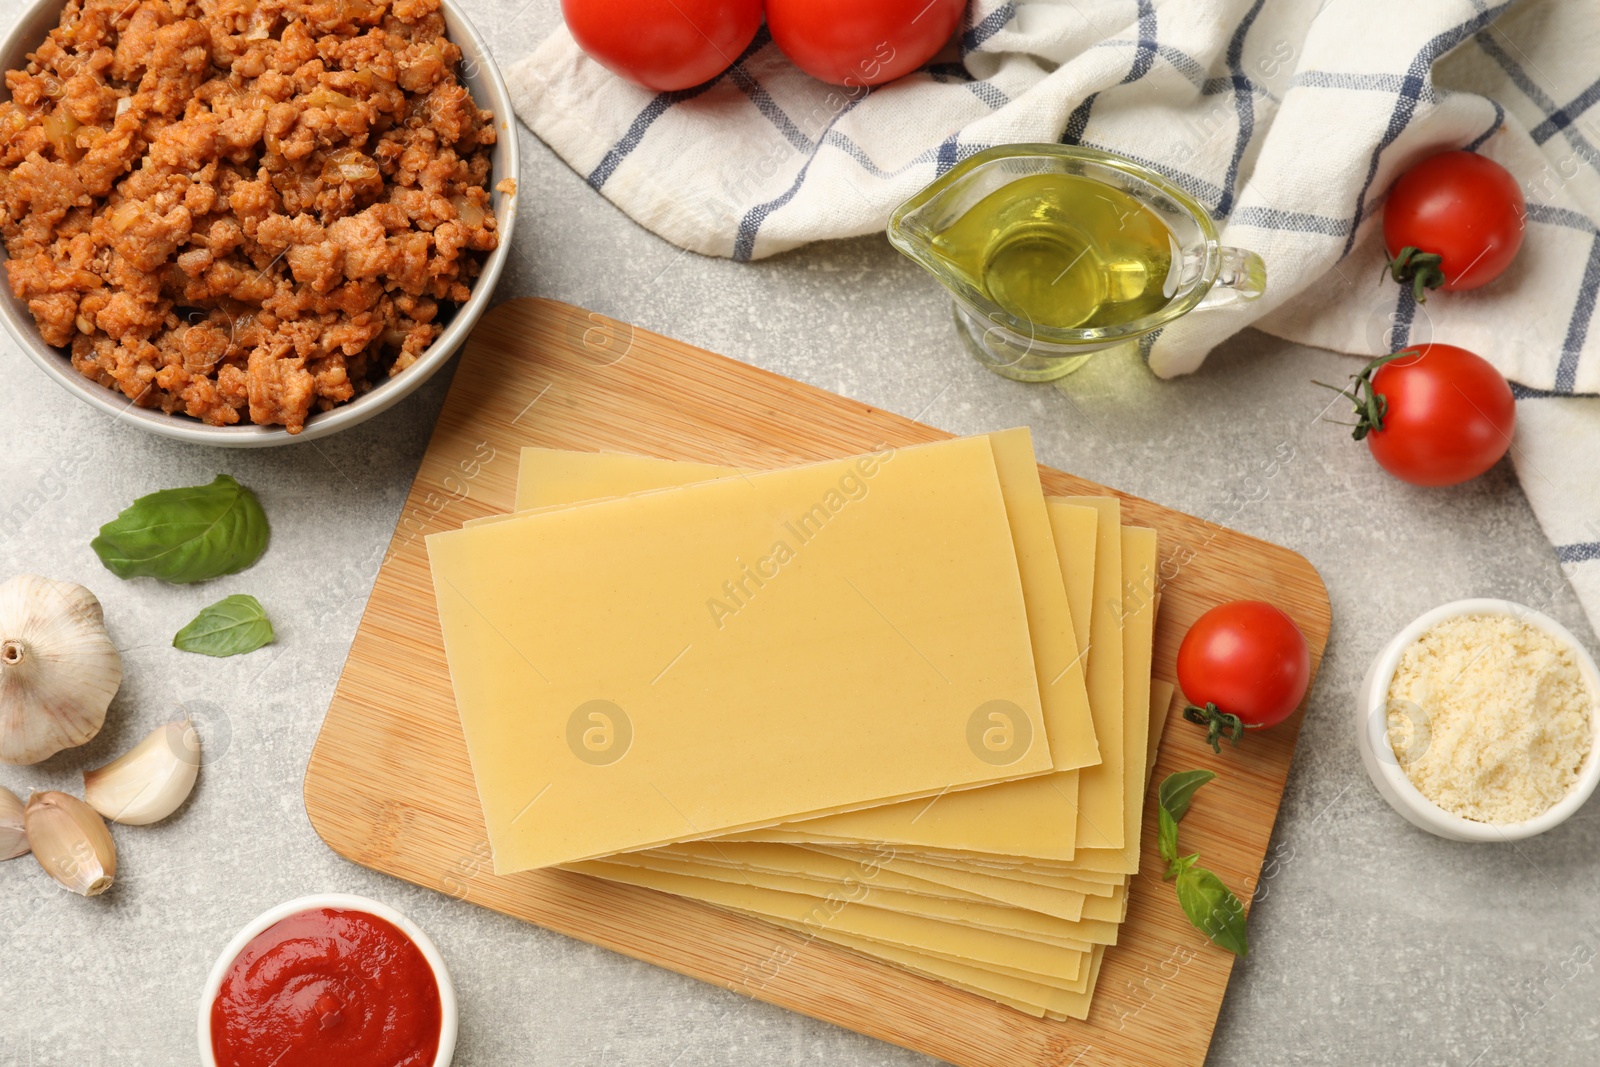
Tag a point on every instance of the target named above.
point(899, 702)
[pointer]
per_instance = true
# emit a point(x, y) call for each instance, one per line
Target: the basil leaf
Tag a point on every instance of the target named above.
point(1180, 866)
point(229, 627)
point(185, 535)
point(1178, 789)
point(1168, 839)
point(1213, 909)
point(1209, 904)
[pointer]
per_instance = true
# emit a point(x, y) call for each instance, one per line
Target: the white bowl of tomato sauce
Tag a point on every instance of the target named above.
point(331, 980)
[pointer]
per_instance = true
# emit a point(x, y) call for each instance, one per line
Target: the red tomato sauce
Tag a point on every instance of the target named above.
point(328, 988)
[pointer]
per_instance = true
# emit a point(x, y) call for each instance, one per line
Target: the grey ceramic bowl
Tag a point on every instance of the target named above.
point(482, 78)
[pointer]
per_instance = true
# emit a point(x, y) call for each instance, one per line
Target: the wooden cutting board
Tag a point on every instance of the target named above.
point(389, 785)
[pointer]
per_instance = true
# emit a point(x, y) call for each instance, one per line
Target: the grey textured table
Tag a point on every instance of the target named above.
point(1373, 942)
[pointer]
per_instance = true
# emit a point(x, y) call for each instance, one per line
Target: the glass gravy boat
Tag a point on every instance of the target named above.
point(1199, 272)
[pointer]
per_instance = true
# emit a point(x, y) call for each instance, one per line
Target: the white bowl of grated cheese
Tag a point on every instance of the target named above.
point(1480, 721)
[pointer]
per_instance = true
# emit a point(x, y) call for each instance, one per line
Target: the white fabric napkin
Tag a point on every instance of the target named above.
point(1287, 120)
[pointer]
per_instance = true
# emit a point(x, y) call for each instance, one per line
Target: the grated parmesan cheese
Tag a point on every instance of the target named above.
point(1490, 717)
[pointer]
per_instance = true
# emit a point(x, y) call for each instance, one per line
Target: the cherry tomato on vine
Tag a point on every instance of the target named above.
point(1434, 415)
point(1242, 665)
point(663, 44)
point(1453, 221)
point(862, 42)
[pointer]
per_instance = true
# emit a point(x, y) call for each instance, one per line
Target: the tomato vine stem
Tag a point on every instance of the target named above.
point(1420, 268)
point(1217, 723)
point(1371, 406)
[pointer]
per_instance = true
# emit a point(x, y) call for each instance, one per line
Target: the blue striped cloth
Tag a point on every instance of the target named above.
point(1287, 120)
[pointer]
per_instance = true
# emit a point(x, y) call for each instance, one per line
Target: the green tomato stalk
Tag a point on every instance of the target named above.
point(1217, 723)
point(1421, 269)
point(1370, 405)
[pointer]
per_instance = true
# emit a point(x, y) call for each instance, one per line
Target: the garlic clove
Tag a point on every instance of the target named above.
point(13, 837)
point(71, 842)
point(58, 668)
point(149, 781)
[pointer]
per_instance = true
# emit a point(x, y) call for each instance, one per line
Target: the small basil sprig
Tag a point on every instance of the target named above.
point(1209, 904)
point(231, 626)
point(186, 535)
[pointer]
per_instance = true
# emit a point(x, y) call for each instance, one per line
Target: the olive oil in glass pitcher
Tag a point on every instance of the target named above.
point(1053, 252)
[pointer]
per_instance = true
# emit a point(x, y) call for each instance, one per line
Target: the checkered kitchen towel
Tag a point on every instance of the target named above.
point(1286, 119)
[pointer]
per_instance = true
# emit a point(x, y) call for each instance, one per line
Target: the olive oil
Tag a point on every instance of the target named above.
point(1064, 251)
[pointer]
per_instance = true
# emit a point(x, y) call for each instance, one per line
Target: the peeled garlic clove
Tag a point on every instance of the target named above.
point(149, 781)
point(71, 842)
point(13, 837)
point(58, 669)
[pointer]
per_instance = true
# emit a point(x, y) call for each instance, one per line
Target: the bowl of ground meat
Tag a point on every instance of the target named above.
point(250, 222)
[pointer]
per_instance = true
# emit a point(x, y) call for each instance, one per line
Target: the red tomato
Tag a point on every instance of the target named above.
point(862, 42)
point(1453, 221)
point(1245, 664)
point(1445, 414)
point(663, 44)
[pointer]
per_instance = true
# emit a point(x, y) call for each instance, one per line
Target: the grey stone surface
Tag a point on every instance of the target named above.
point(1373, 942)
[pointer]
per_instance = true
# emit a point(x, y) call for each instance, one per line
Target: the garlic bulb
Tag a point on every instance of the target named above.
point(71, 842)
point(58, 669)
point(13, 837)
point(149, 781)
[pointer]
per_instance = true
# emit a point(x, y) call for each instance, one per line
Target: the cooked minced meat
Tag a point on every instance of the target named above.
point(244, 210)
